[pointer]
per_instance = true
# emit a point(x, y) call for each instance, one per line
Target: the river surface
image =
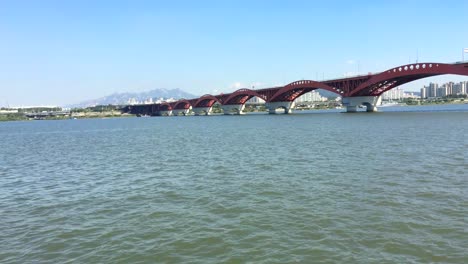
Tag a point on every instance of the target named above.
point(312, 187)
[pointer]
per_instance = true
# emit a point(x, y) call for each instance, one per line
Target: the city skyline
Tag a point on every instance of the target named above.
point(446, 89)
point(60, 53)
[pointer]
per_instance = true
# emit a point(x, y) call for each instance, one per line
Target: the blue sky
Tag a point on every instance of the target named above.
point(61, 52)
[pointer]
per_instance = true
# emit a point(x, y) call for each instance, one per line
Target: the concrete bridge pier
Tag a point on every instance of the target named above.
point(287, 106)
point(235, 109)
point(202, 110)
point(165, 113)
point(370, 102)
point(177, 112)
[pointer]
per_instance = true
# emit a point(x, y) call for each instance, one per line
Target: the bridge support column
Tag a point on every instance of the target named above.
point(165, 112)
point(177, 112)
point(287, 106)
point(370, 102)
point(202, 110)
point(235, 109)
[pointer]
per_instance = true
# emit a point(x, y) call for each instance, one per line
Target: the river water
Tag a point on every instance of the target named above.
point(312, 187)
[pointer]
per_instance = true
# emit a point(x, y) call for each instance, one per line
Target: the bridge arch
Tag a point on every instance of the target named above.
point(241, 96)
point(165, 106)
point(206, 100)
point(400, 75)
point(295, 89)
point(182, 104)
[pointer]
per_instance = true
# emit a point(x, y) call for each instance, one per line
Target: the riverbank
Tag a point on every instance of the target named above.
point(114, 113)
point(78, 115)
point(12, 117)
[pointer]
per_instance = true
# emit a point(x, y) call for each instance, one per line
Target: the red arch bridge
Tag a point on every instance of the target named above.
point(355, 91)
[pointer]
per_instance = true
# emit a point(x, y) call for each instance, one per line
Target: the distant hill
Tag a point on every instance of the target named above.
point(122, 98)
point(327, 94)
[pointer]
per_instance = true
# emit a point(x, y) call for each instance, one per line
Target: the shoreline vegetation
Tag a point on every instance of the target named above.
point(113, 111)
point(57, 113)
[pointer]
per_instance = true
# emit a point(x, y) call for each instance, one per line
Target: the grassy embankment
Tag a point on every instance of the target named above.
point(12, 117)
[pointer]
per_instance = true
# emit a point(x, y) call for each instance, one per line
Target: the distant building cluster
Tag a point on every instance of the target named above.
point(447, 89)
point(255, 100)
point(135, 101)
point(8, 110)
point(313, 96)
point(397, 94)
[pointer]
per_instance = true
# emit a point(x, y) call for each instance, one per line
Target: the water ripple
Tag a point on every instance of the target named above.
point(250, 189)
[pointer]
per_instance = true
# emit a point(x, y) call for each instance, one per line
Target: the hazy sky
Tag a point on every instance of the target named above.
point(60, 52)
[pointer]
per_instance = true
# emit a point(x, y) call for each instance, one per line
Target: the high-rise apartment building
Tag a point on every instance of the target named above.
point(313, 96)
point(432, 90)
point(423, 93)
point(442, 91)
point(459, 88)
point(393, 94)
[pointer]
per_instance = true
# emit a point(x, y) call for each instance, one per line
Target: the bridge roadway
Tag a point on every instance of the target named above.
point(355, 91)
point(43, 115)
